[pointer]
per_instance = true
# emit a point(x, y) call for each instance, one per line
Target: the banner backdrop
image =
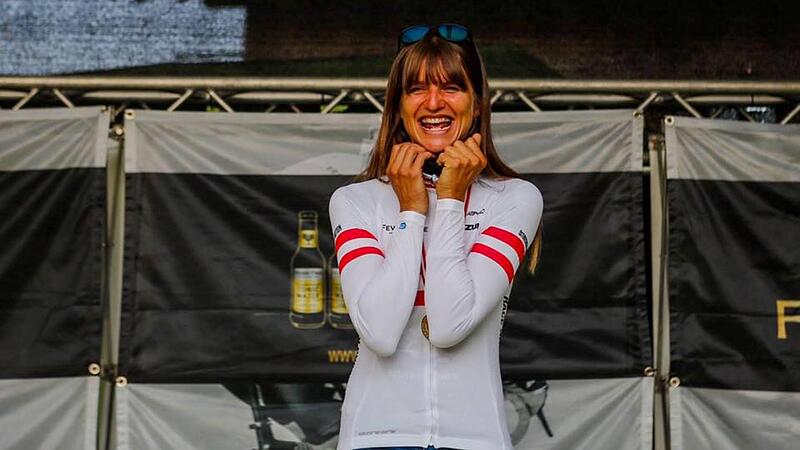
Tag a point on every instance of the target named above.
point(212, 230)
point(734, 260)
point(39, 413)
point(228, 213)
point(585, 313)
point(560, 414)
point(52, 189)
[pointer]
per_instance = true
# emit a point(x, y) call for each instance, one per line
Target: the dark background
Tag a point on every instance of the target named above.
point(569, 39)
point(531, 39)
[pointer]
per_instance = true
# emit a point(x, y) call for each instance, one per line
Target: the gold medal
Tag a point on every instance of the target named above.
point(424, 327)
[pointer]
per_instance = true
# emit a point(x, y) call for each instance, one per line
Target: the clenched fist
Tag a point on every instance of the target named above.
point(405, 173)
point(463, 162)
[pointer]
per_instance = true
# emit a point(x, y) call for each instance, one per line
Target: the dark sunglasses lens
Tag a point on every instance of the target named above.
point(413, 34)
point(455, 33)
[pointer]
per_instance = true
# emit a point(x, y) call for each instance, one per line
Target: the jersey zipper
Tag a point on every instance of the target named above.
point(432, 388)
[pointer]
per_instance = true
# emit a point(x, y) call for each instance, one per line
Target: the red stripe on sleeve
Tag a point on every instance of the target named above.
point(352, 233)
point(353, 254)
point(509, 238)
point(495, 256)
point(419, 299)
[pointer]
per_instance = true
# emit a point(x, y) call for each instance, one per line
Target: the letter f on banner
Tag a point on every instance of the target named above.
point(783, 318)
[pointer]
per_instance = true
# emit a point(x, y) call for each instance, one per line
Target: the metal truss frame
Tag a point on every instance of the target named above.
point(277, 94)
point(649, 99)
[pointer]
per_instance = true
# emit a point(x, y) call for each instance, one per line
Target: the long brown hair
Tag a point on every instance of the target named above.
point(441, 61)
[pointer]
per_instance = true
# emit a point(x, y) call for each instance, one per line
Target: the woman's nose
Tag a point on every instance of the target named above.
point(434, 100)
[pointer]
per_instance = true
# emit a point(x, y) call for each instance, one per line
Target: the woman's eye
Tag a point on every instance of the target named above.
point(452, 89)
point(415, 89)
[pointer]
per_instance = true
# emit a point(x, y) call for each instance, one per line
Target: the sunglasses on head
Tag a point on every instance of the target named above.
point(449, 31)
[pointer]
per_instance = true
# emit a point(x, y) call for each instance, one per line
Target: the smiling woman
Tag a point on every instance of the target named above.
point(437, 106)
point(427, 294)
point(436, 115)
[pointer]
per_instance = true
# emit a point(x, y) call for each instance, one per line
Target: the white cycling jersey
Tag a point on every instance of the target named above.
point(407, 389)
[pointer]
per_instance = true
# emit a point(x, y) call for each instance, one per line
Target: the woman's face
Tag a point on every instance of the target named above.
point(436, 115)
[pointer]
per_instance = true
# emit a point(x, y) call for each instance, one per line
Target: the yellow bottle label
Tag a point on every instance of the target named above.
point(308, 239)
point(308, 294)
point(337, 299)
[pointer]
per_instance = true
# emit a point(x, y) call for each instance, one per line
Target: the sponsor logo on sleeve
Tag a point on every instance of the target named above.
point(337, 231)
point(471, 226)
point(475, 213)
point(388, 228)
point(503, 312)
point(524, 237)
point(402, 226)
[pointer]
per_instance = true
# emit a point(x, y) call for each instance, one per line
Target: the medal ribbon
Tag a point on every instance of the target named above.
point(419, 300)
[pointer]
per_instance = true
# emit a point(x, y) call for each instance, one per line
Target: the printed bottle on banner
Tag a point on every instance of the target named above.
point(307, 306)
point(337, 309)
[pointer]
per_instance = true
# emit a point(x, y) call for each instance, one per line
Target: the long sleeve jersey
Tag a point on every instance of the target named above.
point(449, 272)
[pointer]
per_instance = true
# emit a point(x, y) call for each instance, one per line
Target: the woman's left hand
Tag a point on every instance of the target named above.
point(463, 162)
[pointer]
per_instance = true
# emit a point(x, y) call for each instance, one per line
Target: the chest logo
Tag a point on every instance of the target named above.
point(471, 226)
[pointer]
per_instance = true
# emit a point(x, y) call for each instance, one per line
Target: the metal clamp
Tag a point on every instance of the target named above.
point(95, 369)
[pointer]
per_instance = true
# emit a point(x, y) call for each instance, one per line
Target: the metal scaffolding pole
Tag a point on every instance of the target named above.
point(660, 311)
point(376, 84)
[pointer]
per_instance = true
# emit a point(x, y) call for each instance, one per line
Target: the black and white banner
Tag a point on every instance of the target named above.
point(52, 193)
point(610, 413)
point(734, 284)
point(215, 202)
point(212, 228)
point(585, 313)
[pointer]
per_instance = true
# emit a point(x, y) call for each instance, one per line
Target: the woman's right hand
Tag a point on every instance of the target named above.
point(405, 173)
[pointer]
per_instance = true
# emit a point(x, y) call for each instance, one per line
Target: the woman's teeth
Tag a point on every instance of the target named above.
point(436, 123)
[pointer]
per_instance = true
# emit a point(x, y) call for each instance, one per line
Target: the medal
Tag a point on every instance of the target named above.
point(424, 327)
